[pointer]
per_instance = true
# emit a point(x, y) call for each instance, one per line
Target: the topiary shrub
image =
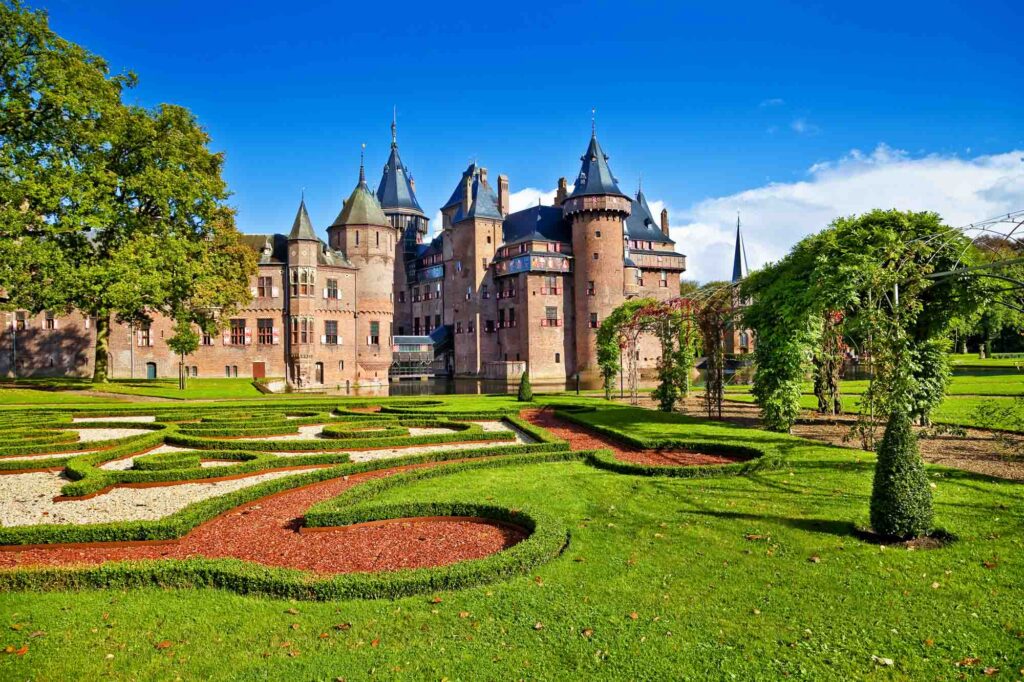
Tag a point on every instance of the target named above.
point(525, 390)
point(901, 499)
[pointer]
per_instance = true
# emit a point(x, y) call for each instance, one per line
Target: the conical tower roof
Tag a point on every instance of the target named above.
point(302, 228)
point(361, 207)
point(595, 176)
point(395, 188)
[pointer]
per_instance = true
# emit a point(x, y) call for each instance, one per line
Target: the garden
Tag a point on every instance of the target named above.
point(473, 536)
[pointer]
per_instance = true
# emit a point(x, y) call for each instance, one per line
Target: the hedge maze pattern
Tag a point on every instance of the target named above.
point(290, 446)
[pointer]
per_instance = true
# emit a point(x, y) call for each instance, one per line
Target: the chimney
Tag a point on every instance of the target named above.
point(562, 193)
point(467, 194)
point(664, 221)
point(503, 194)
point(483, 176)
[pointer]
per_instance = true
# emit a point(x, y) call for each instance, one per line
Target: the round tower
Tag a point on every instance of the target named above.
point(367, 238)
point(596, 210)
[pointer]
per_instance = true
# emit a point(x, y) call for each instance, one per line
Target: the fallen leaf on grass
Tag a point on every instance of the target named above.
point(538, 626)
point(634, 615)
point(815, 559)
point(38, 633)
point(295, 626)
point(888, 662)
point(165, 644)
point(991, 563)
point(752, 537)
point(990, 671)
point(967, 662)
point(435, 600)
point(587, 632)
point(293, 611)
point(324, 635)
point(463, 614)
point(343, 626)
point(375, 643)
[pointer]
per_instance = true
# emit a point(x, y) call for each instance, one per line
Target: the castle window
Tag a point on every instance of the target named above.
point(593, 321)
point(19, 320)
point(331, 332)
point(595, 255)
point(401, 296)
point(597, 233)
point(49, 322)
point(264, 287)
point(374, 339)
point(512, 318)
point(227, 371)
point(558, 358)
point(332, 288)
point(195, 371)
point(357, 237)
point(295, 282)
point(306, 329)
point(488, 239)
point(458, 326)
point(550, 317)
point(237, 332)
point(488, 326)
point(145, 335)
point(591, 289)
point(501, 318)
point(234, 371)
point(305, 283)
point(377, 235)
point(341, 365)
point(265, 331)
point(207, 339)
point(664, 279)
point(471, 326)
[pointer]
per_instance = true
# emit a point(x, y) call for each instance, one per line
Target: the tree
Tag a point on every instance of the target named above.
point(114, 210)
point(525, 389)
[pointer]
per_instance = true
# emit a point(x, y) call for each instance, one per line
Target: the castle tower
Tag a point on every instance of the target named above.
point(369, 241)
point(303, 248)
point(597, 209)
point(473, 230)
point(396, 194)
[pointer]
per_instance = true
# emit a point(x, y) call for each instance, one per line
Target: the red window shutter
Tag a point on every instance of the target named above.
point(277, 336)
point(248, 336)
point(226, 337)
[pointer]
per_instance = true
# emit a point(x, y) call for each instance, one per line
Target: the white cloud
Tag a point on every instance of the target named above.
point(777, 215)
point(528, 196)
point(772, 102)
point(801, 126)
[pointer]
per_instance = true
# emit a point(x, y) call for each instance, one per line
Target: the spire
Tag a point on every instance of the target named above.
point(394, 128)
point(302, 228)
point(362, 167)
point(593, 122)
point(739, 259)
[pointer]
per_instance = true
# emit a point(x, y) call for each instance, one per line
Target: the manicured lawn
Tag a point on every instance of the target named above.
point(972, 360)
point(743, 577)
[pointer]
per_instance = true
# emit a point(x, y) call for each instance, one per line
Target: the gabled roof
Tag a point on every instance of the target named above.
point(641, 225)
point(302, 228)
point(269, 248)
point(361, 207)
point(395, 188)
point(739, 257)
point(595, 176)
point(484, 203)
point(542, 223)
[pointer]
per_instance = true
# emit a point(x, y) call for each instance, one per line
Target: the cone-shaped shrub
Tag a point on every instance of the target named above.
point(901, 498)
point(525, 390)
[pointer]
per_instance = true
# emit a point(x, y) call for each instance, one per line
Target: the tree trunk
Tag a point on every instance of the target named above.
point(100, 367)
point(181, 373)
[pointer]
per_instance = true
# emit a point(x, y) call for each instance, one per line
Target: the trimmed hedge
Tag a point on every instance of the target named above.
point(162, 461)
point(184, 520)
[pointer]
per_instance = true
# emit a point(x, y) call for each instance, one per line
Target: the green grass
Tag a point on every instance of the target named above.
point(972, 360)
point(718, 573)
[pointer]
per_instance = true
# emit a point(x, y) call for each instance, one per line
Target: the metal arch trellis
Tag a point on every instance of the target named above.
point(712, 311)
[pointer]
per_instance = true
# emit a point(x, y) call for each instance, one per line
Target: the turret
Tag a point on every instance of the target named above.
point(597, 209)
point(367, 238)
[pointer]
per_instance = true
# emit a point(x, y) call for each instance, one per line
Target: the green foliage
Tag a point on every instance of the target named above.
point(525, 394)
point(117, 211)
point(901, 499)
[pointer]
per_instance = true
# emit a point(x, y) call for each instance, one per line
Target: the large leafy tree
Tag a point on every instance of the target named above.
point(118, 211)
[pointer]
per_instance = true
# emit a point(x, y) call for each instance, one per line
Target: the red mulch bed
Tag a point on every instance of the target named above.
point(581, 438)
point(266, 531)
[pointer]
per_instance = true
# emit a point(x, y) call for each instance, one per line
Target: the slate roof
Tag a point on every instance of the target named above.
point(302, 228)
point(543, 223)
point(361, 207)
point(484, 203)
point(270, 248)
point(595, 176)
point(641, 225)
point(395, 189)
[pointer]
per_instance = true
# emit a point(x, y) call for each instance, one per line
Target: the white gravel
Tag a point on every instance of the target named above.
point(137, 418)
point(91, 435)
point(27, 499)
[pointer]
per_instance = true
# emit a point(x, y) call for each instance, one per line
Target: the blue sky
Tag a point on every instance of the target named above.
point(753, 106)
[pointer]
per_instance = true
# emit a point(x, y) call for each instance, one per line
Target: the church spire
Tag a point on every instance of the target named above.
point(739, 258)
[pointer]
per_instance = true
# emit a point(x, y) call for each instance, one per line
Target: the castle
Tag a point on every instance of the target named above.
point(493, 294)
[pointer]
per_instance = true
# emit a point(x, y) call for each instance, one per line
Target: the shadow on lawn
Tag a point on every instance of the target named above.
point(830, 526)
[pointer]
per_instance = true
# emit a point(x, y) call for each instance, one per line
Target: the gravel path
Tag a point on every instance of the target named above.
point(27, 499)
point(92, 435)
point(135, 418)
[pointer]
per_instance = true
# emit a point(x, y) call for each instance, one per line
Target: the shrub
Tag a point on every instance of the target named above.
point(901, 499)
point(525, 390)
